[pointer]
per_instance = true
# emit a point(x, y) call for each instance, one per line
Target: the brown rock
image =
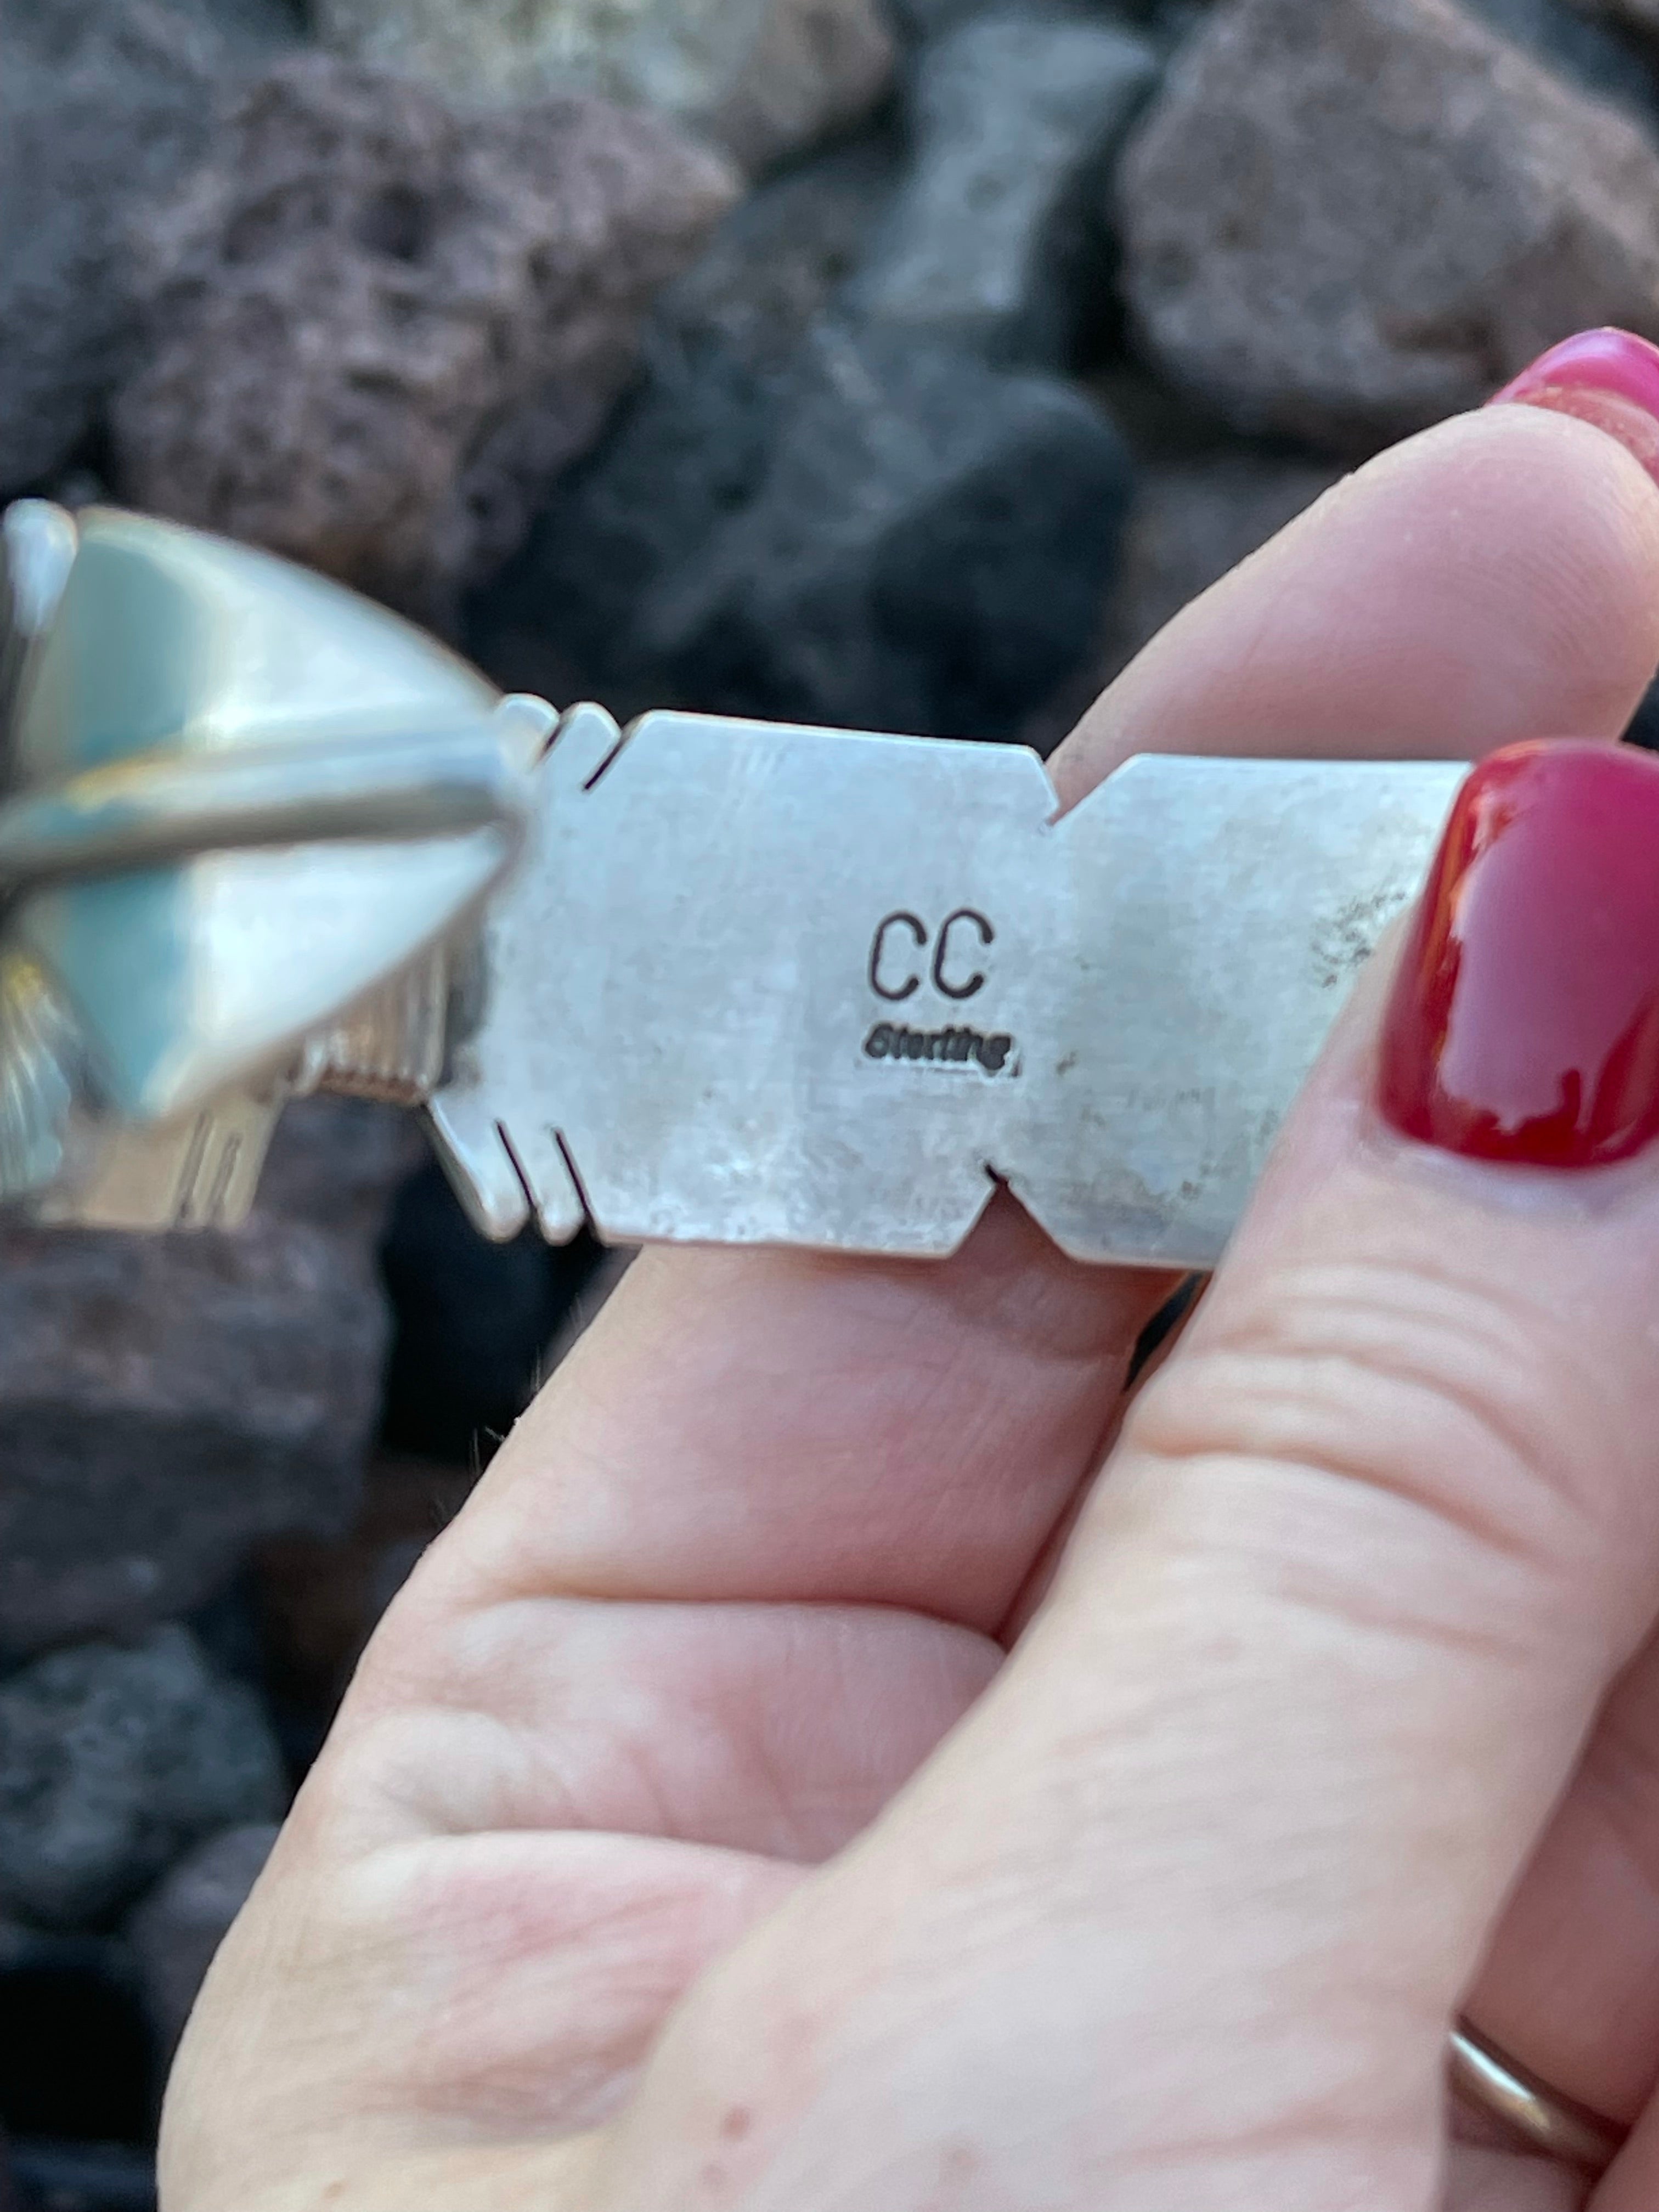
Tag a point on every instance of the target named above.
point(166, 1400)
point(376, 324)
point(101, 102)
point(1348, 221)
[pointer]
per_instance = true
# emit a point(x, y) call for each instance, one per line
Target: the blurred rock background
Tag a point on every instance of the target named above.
point(902, 363)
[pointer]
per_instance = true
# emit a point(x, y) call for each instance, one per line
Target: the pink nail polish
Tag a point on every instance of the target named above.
point(1608, 378)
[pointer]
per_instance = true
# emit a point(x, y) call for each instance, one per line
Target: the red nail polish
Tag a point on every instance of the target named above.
point(1608, 378)
point(1524, 1023)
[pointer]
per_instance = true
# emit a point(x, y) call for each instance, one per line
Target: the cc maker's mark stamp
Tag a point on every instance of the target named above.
point(904, 953)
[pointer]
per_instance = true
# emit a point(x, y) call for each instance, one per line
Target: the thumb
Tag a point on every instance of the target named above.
point(1180, 1914)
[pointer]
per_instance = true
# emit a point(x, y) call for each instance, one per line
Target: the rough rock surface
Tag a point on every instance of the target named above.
point(165, 1401)
point(176, 1929)
point(1013, 115)
point(375, 324)
point(764, 77)
point(921, 543)
point(114, 1760)
point(101, 102)
point(1347, 222)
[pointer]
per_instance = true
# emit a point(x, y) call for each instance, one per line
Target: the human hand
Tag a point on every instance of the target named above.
point(804, 1778)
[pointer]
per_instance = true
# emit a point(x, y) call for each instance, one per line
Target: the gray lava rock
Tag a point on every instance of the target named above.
point(102, 103)
point(176, 1929)
point(376, 324)
point(923, 543)
point(114, 1760)
point(763, 78)
point(1346, 222)
point(165, 1400)
point(1013, 115)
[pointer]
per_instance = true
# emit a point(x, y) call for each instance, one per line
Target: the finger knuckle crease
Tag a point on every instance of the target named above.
point(1433, 1392)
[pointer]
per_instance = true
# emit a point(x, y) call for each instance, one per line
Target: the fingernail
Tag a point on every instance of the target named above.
point(1524, 1023)
point(1608, 378)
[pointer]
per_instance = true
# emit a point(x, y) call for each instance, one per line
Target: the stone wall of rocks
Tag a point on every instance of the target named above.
point(902, 363)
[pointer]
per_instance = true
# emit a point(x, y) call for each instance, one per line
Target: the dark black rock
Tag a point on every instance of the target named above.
point(902, 537)
point(992, 239)
point(113, 1762)
point(819, 512)
point(1640, 19)
point(78, 2062)
point(83, 2177)
point(779, 260)
point(473, 1323)
point(1644, 729)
